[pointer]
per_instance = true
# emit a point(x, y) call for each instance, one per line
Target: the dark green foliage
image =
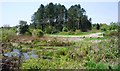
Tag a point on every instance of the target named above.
point(91, 64)
point(65, 29)
point(28, 33)
point(104, 27)
point(53, 17)
point(101, 66)
point(98, 27)
point(51, 30)
point(38, 33)
point(7, 34)
point(23, 27)
point(85, 24)
point(113, 26)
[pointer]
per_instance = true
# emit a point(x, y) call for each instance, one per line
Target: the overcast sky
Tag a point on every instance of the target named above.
point(11, 12)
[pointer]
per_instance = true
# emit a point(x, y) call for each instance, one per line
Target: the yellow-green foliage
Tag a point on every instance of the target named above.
point(6, 34)
point(82, 55)
point(38, 32)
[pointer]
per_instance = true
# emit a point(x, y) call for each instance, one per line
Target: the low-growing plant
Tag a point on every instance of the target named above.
point(101, 65)
point(6, 34)
point(38, 33)
point(28, 33)
point(62, 51)
point(91, 64)
point(64, 29)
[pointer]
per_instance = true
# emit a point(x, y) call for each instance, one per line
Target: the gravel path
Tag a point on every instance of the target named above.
point(58, 37)
point(75, 38)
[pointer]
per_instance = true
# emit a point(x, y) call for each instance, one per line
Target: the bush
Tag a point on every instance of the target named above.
point(48, 29)
point(38, 33)
point(54, 30)
point(65, 29)
point(23, 27)
point(51, 30)
point(104, 29)
point(77, 32)
point(101, 65)
point(70, 33)
point(90, 64)
point(6, 34)
point(111, 33)
point(28, 33)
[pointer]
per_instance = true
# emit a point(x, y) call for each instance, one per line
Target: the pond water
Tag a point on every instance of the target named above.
point(25, 55)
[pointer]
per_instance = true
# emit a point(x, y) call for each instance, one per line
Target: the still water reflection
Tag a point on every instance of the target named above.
point(25, 55)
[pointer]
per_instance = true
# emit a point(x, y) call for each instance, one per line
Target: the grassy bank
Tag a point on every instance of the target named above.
point(81, 55)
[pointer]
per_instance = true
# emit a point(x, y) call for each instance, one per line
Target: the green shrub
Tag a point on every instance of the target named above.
point(36, 41)
point(91, 64)
point(54, 30)
point(62, 51)
point(38, 33)
point(111, 33)
point(28, 33)
point(117, 66)
point(77, 32)
point(6, 34)
point(51, 30)
point(101, 66)
point(65, 29)
point(48, 29)
point(70, 33)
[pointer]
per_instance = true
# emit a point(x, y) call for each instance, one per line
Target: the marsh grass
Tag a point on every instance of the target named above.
point(78, 55)
point(96, 38)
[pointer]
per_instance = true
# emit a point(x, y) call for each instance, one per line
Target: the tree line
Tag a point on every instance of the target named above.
point(54, 18)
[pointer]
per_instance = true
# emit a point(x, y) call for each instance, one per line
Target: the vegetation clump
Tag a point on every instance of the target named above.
point(39, 33)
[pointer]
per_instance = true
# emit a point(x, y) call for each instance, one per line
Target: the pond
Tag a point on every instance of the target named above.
point(18, 53)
